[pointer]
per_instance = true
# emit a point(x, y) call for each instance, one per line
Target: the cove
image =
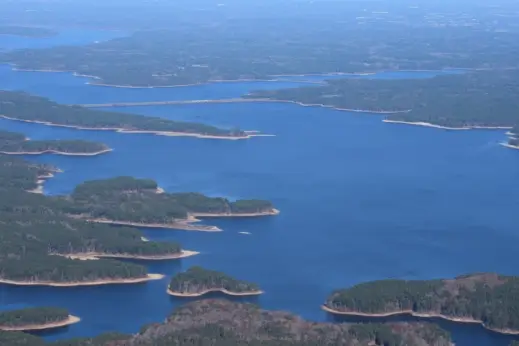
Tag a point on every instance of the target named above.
point(360, 200)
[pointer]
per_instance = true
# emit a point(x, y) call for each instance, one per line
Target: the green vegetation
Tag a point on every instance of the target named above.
point(19, 174)
point(36, 234)
point(26, 31)
point(190, 53)
point(477, 98)
point(136, 200)
point(489, 298)
point(22, 106)
point(12, 142)
point(223, 323)
point(33, 316)
point(198, 280)
point(20, 339)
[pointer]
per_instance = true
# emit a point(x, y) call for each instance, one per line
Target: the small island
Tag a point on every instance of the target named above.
point(136, 202)
point(40, 318)
point(20, 106)
point(12, 143)
point(197, 281)
point(485, 298)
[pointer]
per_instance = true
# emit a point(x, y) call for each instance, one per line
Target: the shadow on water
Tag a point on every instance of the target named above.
point(462, 333)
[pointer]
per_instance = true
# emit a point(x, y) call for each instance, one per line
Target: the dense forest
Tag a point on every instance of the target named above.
point(25, 107)
point(13, 142)
point(490, 298)
point(136, 200)
point(32, 316)
point(475, 98)
point(26, 31)
point(197, 280)
point(247, 325)
point(36, 235)
point(190, 53)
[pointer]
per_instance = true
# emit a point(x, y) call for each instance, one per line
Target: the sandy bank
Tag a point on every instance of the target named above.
point(29, 327)
point(421, 123)
point(122, 130)
point(97, 255)
point(209, 215)
point(160, 190)
point(82, 283)
point(185, 225)
point(54, 152)
point(420, 315)
point(510, 146)
point(199, 294)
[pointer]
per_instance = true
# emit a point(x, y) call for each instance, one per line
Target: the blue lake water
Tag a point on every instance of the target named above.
point(360, 200)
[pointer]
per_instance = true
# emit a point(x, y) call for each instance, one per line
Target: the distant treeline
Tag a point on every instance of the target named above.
point(473, 98)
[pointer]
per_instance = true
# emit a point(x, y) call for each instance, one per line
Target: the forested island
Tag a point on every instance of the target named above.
point(38, 318)
point(14, 143)
point(197, 281)
point(135, 202)
point(237, 324)
point(26, 31)
point(473, 99)
point(40, 244)
point(485, 298)
point(34, 109)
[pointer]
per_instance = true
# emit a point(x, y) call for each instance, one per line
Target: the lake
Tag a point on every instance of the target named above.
point(360, 199)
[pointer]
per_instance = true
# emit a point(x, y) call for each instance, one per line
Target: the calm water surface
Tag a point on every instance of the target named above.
point(360, 200)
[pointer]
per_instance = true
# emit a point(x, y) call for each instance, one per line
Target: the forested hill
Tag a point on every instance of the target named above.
point(238, 324)
point(24, 107)
point(489, 298)
point(473, 98)
point(136, 200)
point(197, 280)
point(33, 316)
point(20, 174)
point(16, 143)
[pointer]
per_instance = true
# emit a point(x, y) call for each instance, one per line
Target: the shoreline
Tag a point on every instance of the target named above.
point(248, 134)
point(235, 100)
point(426, 124)
point(516, 147)
point(98, 255)
point(50, 151)
point(419, 315)
point(221, 290)
point(184, 225)
point(31, 327)
point(237, 215)
point(41, 180)
point(148, 277)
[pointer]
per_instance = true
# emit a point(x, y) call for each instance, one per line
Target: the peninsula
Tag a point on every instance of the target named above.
point(20, 106)
point(197, 281)
point(40, 318)
point(470, 100)
point(12, 143)
point(135, 202)
point(38, 238)
point(485, 298)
